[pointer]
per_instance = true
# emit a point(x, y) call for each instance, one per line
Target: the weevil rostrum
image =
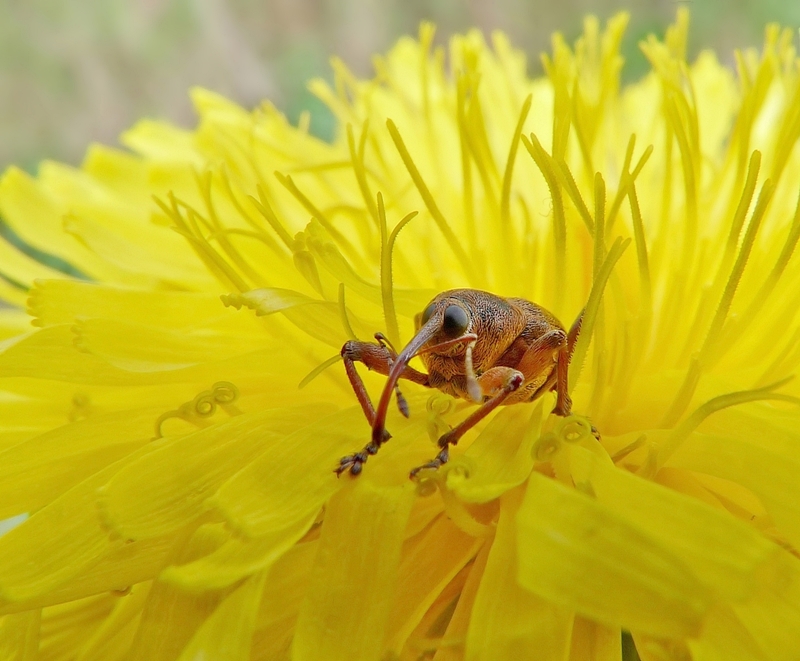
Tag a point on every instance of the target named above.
point(476, 346)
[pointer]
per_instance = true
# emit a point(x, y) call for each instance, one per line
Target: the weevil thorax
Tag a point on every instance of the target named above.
point(494, 320)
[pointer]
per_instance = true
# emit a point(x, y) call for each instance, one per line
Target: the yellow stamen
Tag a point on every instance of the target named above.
point(468, 267)
point(319, 369)
point(505, 197)
point(191, 233)
point(308, 205)
point(568, 181)
point(592, 306)
point(682, 431)
point(343, 314)
point(387, 284)
point(263, 205)
point(546, 165)
point(357, 163)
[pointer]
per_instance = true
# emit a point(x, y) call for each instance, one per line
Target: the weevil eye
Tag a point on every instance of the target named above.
point(455, 321)
point(427, 314)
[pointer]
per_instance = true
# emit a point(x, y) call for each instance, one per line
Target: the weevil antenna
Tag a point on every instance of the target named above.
point(467, 337)
point(473, 387)
point(402, 402)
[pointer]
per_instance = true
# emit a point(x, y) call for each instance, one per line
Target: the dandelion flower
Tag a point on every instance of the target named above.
point(168, 490)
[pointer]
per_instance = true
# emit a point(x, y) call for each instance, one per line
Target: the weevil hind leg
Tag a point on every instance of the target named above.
point(511, 381)
point(538, 360)
point(574, 333)
point(563, 400)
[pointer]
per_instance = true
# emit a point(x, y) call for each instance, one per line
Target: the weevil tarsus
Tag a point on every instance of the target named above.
point(477, 346)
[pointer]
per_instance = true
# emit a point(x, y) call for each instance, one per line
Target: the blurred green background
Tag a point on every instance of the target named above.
point(76, 72)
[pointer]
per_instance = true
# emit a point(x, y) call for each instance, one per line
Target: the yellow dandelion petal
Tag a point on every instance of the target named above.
point(284, 591)
point(450, 627)
point(170, 616)
point(228, 632)
point(431, 559)
point(337, 577)
point(65, 627)
point(182, 382)
point(69, 537)
point(591, 641)
point(26, 198)
point(565, 537)
point(52, 302)
point(500, 458)
point(256, 507)
point(235, 559)
point(113, 637)
point(725, 554)
point(508, 621)
point(180, 475)
point(724, 636)
point(20, 635)
point(51, 463)
point(746, 463)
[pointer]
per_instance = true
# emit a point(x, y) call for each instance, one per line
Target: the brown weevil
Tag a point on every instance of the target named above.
point(476, 346)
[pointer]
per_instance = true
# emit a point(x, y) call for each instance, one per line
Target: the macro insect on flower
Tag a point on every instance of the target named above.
point(476, 346)
point(666, 209)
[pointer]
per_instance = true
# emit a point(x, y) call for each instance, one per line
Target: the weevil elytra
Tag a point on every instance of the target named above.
point(476, 346)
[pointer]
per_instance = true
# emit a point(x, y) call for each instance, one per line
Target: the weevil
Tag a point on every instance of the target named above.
point(476, 346)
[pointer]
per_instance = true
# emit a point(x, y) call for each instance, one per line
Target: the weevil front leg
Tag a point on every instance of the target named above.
point(499, 383)
point(377, 357)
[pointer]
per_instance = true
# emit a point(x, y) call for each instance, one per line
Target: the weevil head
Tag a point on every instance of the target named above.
point(488, 322)
point(449, 316)
point(443, 321)
point(449, 324)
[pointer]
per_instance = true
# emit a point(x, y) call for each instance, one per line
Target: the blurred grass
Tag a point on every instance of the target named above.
point(73, 73)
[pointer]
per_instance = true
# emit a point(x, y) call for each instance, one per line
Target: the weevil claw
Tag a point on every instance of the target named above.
point(354, 462)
